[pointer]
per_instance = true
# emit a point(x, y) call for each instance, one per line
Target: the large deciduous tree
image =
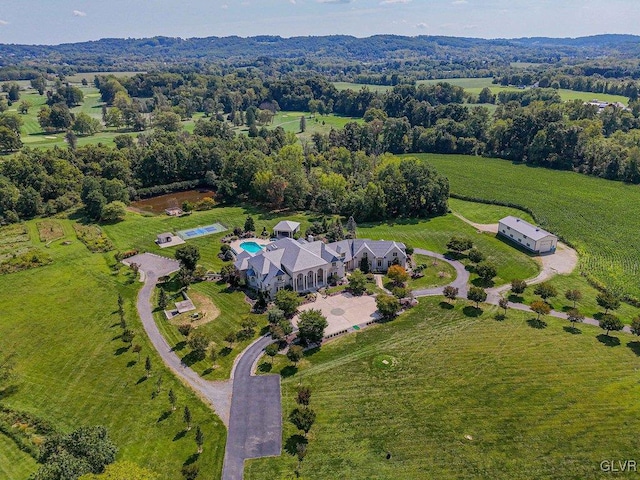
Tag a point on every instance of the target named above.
point(311, 326)
point(188, 256)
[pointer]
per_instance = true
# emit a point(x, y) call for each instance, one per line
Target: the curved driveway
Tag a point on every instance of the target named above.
point(461, 281)
point(250, 406)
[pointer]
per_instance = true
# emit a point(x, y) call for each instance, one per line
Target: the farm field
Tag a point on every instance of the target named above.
point(599, 217)
point(463, 397)
point(74, 370)
point(14, 463)
point(475, 85)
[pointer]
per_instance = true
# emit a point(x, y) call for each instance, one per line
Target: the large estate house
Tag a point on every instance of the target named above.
point(308, 265)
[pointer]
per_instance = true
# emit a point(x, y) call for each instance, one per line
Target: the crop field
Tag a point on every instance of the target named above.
point(475, 86)
point(72, 368)
point(599, 217)
point(463, 397)
point(14, 463)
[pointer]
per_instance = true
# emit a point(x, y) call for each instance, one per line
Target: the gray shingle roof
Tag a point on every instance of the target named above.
point(286, 226)
point(525, 228)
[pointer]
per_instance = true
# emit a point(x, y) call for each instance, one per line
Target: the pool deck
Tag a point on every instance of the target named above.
point(235, 245)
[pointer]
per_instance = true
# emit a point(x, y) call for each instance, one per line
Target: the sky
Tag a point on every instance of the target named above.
point(63, 21)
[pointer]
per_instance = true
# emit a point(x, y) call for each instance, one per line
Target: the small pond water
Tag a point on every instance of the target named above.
point(160, 203)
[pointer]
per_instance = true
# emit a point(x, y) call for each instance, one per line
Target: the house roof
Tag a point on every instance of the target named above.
point(528, 230)
point(287, 226)
point(351, 248)
point(165, 235)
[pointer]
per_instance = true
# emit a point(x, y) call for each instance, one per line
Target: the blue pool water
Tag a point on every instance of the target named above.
point(251, 247)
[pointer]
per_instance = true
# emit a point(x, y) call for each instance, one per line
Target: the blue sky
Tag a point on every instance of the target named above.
point(60, 21)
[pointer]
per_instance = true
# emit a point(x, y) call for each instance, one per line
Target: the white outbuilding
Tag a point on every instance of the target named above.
point(528, 236)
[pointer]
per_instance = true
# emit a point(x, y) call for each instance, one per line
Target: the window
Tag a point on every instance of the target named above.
point(395, 254)
point(528, 245)
point(520, 240)
point(364, 254)
point(511, 235)
point(333, 264)
point(379, 263)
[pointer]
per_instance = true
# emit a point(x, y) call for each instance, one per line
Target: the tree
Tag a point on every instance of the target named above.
point(272, 350)
point(518, 286)
point(357, 282)
point(137, 348)
point(113, 212)
point(545, 290)
point(486, 96)
point(199, 342)
point(9, 140)
point(388, 306)
point(398, 274)
point(459, 244)
point(24, 107)
point(295, 354)
point(486, 271)
point(574, 316)
point(94, 202)
point(60, 117)
point(249, 224)
point(541, 308)
point(635, 327)
point(311, 325)
point(574, 296)
point(127, 336)
point(351, 225)
point(213, 356)
point(85, 450)
point(610, 323)
point(304, 396)
point(230, 338)
point(477, 295)
point(608, 301)
point(275, 316)
point(114, 118)
point(173, 400)
point(475, 255)
point(167, 121)
point(287, 301)
point(188, 256)
point(450, 293)
point(303, 419)
point(147, 366)
point(190, 471)
point(163, 301)
point(199, 438)
point(303, 124)
point(39, 83)
point(186, 417)
point(185, 329)
point(72, 140)
point(85, 125)
point(364, 265)
point(504, 304)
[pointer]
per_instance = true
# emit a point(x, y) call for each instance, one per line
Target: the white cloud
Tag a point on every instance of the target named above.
point(422, 26)
point(78, 13)
point(459, 2)
point(391, 2)
point(4, 22)
point(335, 1)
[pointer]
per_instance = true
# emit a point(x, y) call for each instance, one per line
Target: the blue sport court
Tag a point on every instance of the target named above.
point(201, 231)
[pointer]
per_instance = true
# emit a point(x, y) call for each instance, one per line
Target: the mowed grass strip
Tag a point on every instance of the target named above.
point(73, 368)
point(464, 397)
point(599, 217)
point(14, 463)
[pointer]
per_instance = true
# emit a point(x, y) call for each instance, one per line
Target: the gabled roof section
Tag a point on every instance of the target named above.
point(286, 226)
point(525, 228)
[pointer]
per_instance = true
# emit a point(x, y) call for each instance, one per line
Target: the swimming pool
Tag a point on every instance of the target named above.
point(201, 231)
point(251, 247)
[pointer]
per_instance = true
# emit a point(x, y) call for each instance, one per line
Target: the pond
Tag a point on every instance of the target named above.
point(160, 203)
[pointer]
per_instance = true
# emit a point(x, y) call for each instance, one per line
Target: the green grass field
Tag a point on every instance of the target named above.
point(599, 217)
point(14, 463)
point(436, 274)
point(475, 86)
point(464, 397)
point(73, 370)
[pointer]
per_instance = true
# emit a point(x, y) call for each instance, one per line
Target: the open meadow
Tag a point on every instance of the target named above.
point(73, 369)
point(598, 217)
point(475, 86)
point(463, 397)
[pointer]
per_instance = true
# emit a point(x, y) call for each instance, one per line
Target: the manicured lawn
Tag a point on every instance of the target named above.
point(483, 213)
point(588, 305)
point(599, 217)
point(463, 397)
point(73, 369)
point(14, 463)
point(437, 273)
point(433, 234)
